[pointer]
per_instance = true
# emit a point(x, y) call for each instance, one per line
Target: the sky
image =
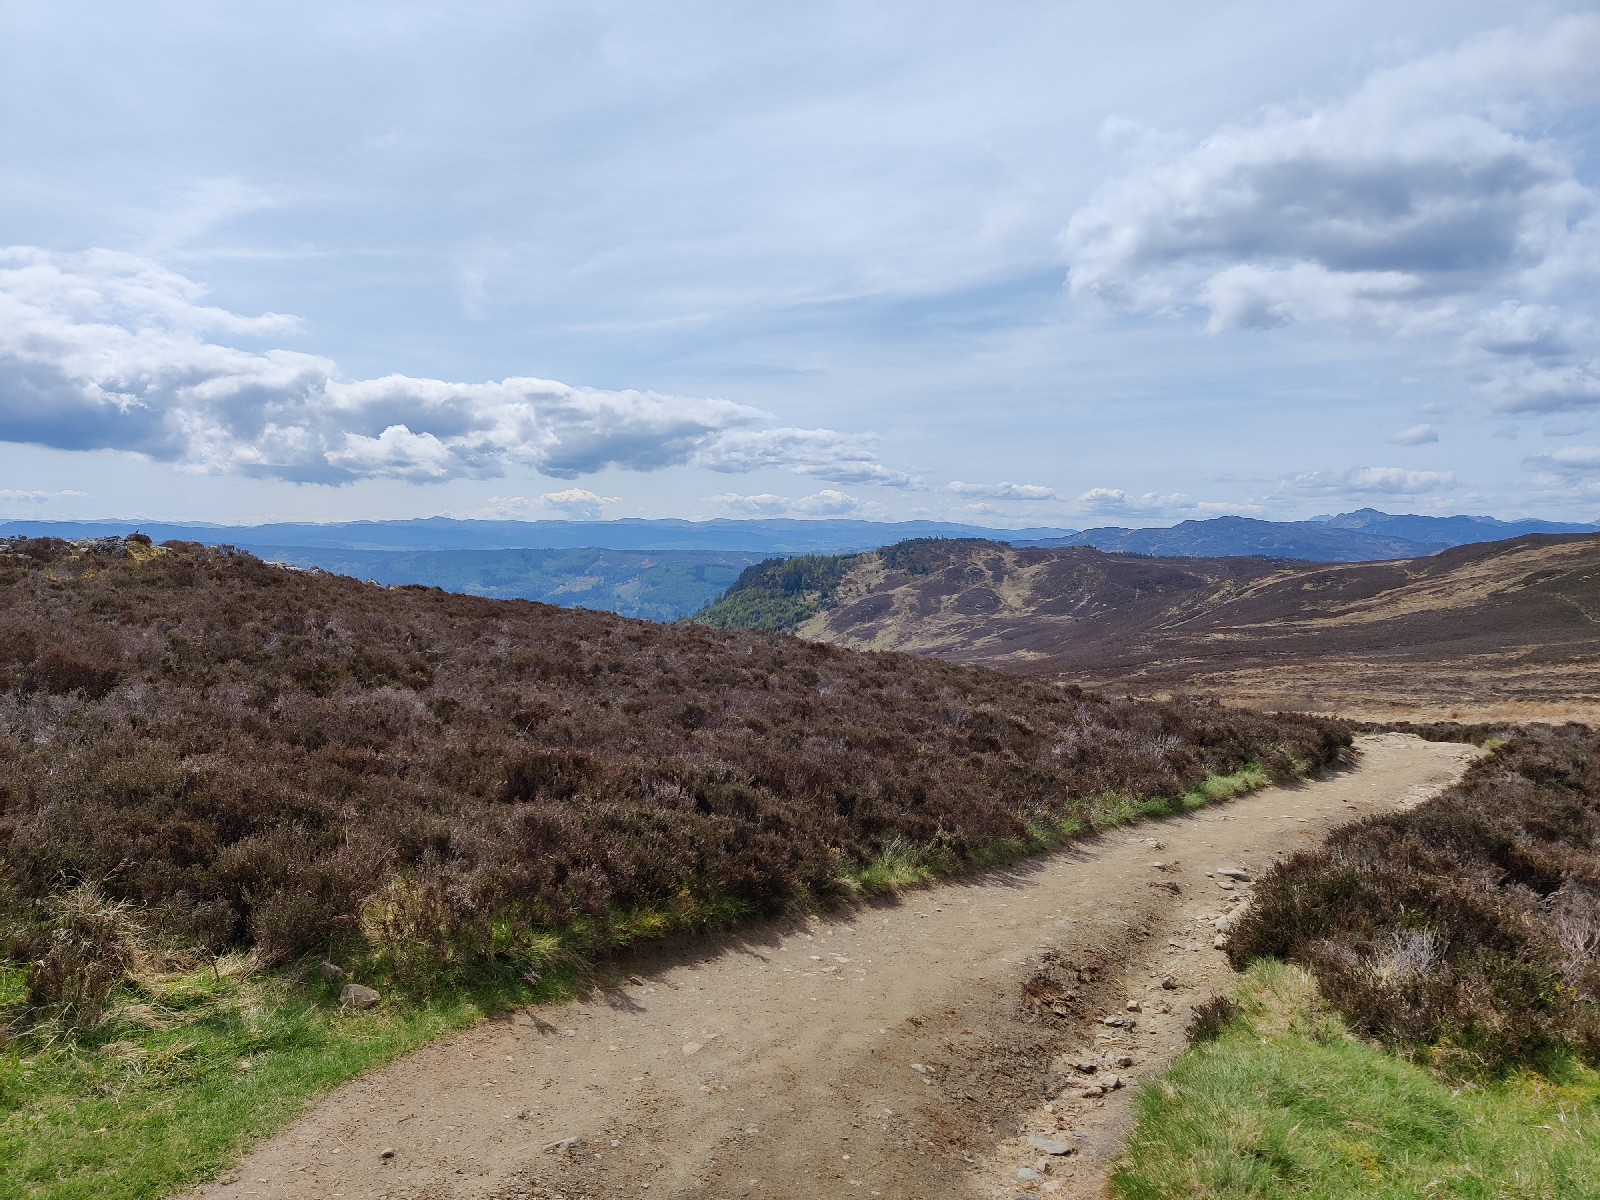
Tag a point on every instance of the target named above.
point(1016, 263)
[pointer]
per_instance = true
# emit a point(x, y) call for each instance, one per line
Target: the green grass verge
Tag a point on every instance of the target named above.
point(904, 865)
point(190, 1069)
point(1287, 1103)
point(193, 1067)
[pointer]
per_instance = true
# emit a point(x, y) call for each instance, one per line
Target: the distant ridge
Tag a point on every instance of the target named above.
point(666, 569)
point(1366, 535)
point(758, 536)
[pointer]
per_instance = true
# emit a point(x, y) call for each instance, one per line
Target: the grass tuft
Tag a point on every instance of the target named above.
point(1285, 1102)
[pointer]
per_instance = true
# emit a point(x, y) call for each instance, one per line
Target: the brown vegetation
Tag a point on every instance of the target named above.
point(258, 756)
point(1503, 631)
point(1470, 925)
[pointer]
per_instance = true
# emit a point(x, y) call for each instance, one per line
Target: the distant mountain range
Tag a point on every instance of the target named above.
point(665, 569)
point(762, 537)
point(1366, 535)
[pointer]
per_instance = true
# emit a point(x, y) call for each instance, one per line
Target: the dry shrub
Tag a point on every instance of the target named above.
point(1468, 925)
point(86, 949)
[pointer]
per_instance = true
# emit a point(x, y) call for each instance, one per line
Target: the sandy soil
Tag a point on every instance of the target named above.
point(905, 1050)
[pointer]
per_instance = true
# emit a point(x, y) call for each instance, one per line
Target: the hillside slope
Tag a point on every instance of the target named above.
point(660, 586)
point(1504, 629)
point(266, 758)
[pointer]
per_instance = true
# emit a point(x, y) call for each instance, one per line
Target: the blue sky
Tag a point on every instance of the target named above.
point(1013, 263)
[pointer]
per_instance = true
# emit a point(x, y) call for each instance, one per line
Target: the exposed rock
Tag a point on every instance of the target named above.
point(1135, 1006)
point(358, 995)
point(1238, 873)
point(334, 973)
point(1029, 1174)
point(1169, 983)
point(1051, 1145)
point(386, 1152)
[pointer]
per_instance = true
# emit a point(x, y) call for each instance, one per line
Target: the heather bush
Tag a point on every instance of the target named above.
point(1466, 928)
point(285, 761)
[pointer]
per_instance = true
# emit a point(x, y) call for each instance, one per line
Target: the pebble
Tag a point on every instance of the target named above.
point(1028, 1173)
point(386, 1152)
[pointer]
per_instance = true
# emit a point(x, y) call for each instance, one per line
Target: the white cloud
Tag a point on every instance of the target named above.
point(762, 504)
point(1429, 201)
point(1386, 481)
point(578, 502)
point(105, 350)
point(20, 496)
point(1416, 435)
point(826, 503)
point(1002, 491)
point(1567, 461)
point(1113, 501)
point(837, 457)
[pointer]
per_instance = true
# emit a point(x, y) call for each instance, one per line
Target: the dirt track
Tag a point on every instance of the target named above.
point(898, 1051)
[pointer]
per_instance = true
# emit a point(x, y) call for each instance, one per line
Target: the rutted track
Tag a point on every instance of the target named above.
point(888, 1052)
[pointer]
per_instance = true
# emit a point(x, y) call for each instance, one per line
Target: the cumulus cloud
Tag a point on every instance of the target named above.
point(107, 350)
point(836, 457)
point(1416, 435)
point(1114, 501)
point(1002, 491)
point(1428, 201)
point(827, 503)
point(1567, 461)
point(578, 502)
point(21, 496)
point(1384, 481)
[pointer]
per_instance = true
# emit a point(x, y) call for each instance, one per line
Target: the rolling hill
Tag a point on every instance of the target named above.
point(662, 570)
point(1496, 630)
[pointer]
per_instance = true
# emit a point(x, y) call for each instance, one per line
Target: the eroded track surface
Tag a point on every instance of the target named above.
point(900, 1051)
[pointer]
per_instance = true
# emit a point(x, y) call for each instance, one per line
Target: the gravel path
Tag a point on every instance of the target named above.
point(905, 1050)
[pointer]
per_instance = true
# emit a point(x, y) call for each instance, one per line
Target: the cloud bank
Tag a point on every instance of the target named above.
point(105, 350)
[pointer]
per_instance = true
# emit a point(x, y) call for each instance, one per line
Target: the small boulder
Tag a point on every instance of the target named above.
point(358, 995)
point(334, 973)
